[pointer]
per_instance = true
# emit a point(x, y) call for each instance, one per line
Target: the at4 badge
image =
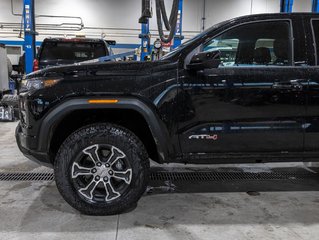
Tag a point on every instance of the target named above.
point(204, 137)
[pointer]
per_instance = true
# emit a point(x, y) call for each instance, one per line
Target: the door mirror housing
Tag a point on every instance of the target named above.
point(205, 60)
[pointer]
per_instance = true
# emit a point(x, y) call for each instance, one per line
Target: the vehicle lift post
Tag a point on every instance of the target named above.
point(315, 6)
point(29, 34)
point(146, 40)
point(286, 6)
point(179, 30)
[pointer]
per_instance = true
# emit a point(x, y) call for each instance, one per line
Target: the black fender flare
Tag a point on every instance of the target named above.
point(156, 125)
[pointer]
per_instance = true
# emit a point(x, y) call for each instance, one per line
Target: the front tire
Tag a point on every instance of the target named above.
point(102, 169)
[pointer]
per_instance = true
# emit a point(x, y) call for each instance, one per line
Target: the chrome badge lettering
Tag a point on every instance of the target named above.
point(204, 137)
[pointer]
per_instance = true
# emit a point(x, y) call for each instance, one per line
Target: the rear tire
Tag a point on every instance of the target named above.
point(102, 169)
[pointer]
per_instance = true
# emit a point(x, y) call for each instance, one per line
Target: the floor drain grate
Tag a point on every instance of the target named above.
point(27, 176)
point(229, 176)
point(179, 176)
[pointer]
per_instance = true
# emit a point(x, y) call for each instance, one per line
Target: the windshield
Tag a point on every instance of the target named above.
point(72, 51)
point(182, 46)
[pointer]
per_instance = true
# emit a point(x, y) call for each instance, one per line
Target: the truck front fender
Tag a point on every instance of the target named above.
point(156, 125)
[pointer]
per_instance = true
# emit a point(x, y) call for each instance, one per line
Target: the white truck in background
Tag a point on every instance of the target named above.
point(6, 110)
point(4, 73)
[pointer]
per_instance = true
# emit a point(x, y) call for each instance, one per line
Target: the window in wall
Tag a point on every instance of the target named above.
point(262, 43)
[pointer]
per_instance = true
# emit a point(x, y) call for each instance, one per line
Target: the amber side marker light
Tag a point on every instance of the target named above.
point(103, 101)
point(50, 82)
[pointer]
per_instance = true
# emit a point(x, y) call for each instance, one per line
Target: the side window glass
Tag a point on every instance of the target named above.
point(315, 25)
point(254, 44)
point(227, 47)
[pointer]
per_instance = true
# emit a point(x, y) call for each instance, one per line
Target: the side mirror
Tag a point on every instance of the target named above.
point(205, 60)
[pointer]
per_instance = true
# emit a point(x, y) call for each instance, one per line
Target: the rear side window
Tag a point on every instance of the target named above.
point(315, 26)
point(73, 51)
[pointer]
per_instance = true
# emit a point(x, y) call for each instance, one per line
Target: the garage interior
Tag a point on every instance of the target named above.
point(224, 201)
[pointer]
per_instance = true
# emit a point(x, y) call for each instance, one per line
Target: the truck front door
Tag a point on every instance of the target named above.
point(254, 102)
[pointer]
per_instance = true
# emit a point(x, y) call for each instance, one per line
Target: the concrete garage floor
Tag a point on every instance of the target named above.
point(181, 210)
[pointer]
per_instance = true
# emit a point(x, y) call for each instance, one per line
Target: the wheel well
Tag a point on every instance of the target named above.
point(129, 119)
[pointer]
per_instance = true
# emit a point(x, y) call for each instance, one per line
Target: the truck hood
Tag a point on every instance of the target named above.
point(54, 63)
point(146, 79)
point(109, 68)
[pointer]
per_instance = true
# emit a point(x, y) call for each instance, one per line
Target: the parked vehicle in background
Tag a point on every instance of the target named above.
point(245, 90)
point(4, 69)
point(8, 102)
point(62, 51)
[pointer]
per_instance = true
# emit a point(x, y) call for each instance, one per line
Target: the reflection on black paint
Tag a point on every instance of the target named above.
point(249, 127)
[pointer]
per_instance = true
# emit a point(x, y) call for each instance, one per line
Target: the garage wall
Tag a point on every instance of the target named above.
point(302, 5)
point(118, 19)
point(222, 10)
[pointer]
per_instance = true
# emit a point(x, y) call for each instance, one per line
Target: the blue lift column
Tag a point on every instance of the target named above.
point(286, 6)
point(29, 34)
point(179, 28)
point(146, 41)
point(315, 6)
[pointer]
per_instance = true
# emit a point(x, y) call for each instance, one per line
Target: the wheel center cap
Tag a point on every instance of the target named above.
point(102, 171)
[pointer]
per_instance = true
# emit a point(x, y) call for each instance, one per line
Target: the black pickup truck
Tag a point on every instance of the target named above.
point(245, 90)
point(63, 51)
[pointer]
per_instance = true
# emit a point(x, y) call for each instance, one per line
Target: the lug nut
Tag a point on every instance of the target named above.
point(107, 165)
point(99, 164)
point(97, 178)
point(105, 179)
point(94, 170)
point(111, 172)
